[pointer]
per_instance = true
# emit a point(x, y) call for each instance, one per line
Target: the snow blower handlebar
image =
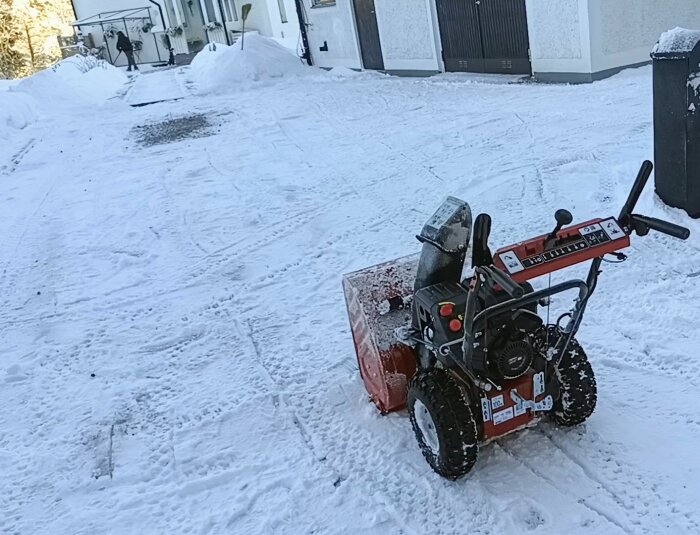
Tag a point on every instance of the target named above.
point(630, 223)
point(643, 224)
point(502, 279)
point(636, 192)
point(499, 275)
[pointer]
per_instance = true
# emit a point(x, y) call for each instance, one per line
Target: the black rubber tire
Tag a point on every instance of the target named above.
point(452, 418)
point(578, 392)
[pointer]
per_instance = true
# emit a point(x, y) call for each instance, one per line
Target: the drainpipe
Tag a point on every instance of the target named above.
point(160, 10)
point(223, 21)
point(171, 58)
point(306, 55)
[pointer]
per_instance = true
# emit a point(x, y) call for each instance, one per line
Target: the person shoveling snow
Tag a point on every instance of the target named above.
point(124, 45)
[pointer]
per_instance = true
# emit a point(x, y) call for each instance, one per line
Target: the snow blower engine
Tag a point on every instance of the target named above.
point(471, 357)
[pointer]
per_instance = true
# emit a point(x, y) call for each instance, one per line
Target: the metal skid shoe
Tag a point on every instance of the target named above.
point(546, 404)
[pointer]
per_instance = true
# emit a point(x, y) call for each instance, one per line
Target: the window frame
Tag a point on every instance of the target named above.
point(208, 16)
point(230, 11)
point(283, 11)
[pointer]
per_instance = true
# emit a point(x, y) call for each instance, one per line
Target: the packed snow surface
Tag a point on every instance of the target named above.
point(176, 356)
point(677, 40)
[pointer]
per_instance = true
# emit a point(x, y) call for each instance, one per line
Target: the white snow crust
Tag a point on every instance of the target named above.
point(677, 40)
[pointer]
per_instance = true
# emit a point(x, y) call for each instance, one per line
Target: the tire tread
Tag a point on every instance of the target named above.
point(453, 419)
point(577, 386)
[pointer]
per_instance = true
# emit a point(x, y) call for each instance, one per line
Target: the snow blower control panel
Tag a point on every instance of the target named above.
point(566, 247)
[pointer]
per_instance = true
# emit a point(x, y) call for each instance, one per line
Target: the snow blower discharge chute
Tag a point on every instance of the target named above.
point(471, 358)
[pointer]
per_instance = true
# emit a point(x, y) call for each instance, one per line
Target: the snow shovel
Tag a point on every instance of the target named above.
point(245, 11)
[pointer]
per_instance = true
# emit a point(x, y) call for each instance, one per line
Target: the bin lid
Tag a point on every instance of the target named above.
point(677, 43)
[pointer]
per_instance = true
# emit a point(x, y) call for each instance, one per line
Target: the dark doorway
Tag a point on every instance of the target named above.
point(368, 32)
point(484, 36)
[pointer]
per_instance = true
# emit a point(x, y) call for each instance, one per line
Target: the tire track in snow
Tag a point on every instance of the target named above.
point(358, 459)
point(626, 494)
point(636, 501)
point(16, 158)
point(595, 508)
point(295, 380)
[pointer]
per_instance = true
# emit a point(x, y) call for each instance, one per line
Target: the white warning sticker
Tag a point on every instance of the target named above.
point(538, 383)
point(503, 416)
point(511, 261)
point(520, 409)
point(485, 409)
point(612, 229)
point(591, 229)
point(497, 402)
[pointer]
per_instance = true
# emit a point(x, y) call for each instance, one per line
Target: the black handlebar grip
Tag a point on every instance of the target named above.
point(481, 254)
point(637, 188)
point(665, 227)
point(511, 287)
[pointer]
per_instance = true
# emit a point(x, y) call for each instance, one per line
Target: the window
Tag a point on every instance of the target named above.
point(230, 14)
point(210, 13)
point(321, 3)
point(172, 16)
point(283, 11)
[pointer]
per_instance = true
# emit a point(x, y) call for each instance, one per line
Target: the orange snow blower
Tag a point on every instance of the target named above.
point(471, 357)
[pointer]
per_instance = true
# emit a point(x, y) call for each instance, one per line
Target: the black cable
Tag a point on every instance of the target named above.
point(621, 257)
point(564, 315)
point(549, 306)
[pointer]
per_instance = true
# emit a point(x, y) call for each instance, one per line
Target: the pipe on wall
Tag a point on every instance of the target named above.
point(223, 21)
point(171, 58)
point(301, 15)
point(160, 10)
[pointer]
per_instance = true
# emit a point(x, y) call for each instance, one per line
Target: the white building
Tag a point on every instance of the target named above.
point(189, 24)
point(556, 40)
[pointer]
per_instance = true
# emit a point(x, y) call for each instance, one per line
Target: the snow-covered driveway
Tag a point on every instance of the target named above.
point(156, 86)
point(176, 356)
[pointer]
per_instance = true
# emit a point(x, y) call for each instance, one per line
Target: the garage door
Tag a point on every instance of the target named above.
point(484, 36)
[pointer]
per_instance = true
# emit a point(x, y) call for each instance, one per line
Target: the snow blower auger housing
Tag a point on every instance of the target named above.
point(471, 357)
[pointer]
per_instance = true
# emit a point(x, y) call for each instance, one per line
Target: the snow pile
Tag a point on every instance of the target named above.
point(344, 72)
point(677, 40)
point(17, 110)
point(337, 74)
point(73, 82)
point(262, 59)
point(205, 61)
point(7, 84)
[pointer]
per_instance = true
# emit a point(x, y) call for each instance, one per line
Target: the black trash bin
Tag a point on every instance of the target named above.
point(676, 59)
